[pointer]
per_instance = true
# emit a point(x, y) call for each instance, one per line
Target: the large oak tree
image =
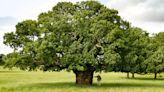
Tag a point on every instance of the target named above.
point(84, 37)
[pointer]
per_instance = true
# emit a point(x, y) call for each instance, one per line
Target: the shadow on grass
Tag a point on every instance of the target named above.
point(149, 79)
point(10, 71)
point(66, 85)
point(143, 78)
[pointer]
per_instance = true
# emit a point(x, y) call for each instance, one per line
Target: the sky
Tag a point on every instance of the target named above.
point(146, 14)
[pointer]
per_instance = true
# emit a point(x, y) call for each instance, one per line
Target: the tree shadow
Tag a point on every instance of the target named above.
point(143, 78)
point(10, 71)
point(124, 85)
point(65, 85)
point(149, 79)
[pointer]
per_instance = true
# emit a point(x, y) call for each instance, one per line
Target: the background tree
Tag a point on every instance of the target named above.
point(132, 52)
point(82, 37)
point(155, 60)
point(135, 56)
point(1, 59)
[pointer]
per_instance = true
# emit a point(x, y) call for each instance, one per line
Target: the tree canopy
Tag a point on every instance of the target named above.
point(81, 37)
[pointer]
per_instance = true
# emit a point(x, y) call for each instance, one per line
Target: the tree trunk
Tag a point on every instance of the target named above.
point(84, 77)
point(155, 75)
point(128, 75)
point(132, 74)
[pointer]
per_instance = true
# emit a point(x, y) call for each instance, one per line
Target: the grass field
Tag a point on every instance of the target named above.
point(23, 81)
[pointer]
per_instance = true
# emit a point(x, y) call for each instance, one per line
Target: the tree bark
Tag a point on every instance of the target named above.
point(128, 75)
point(84, 77)
point(132, 74)
point(155, 75)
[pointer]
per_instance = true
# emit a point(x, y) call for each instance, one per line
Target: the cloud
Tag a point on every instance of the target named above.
point(7, 20)
point(147, 14)
point(124, 4)
point(3, 48)
point(142, 10)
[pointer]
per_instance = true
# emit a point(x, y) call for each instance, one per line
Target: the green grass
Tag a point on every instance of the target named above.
point(23, 81)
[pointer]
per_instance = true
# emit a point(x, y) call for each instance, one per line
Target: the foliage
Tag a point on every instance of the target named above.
point(26, 32)
point(155, 60)
point(77, 36)
point(135, 51)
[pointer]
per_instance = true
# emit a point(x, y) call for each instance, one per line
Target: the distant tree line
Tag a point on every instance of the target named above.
point(85, 37)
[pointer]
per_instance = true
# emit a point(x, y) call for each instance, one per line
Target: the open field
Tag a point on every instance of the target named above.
point(23, 81)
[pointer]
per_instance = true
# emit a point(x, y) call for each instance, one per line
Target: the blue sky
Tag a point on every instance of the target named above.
point(147, 14)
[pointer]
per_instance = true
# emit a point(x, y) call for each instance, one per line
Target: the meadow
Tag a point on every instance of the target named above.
point(38, 81)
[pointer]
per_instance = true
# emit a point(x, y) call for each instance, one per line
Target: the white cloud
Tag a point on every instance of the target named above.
point(3, 48)
point(7, 20)
point(147, 14)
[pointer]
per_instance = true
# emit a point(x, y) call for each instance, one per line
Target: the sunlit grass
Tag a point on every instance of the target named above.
point(38, 81)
